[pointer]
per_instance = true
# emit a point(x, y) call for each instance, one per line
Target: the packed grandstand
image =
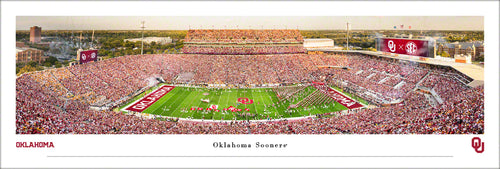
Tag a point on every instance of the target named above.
point(243, 42)
point(405, 97)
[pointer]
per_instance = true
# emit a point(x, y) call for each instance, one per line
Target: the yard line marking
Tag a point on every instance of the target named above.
point(162, 105)
point(192, 102)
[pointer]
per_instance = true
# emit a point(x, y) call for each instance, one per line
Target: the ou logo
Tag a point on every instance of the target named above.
point(92, 55)
point(478, 145)
point(411, 48)
point(391, 45)
point(84, 57)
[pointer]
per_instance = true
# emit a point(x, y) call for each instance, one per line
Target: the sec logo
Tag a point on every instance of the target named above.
point(411, 48)
point(92, 55)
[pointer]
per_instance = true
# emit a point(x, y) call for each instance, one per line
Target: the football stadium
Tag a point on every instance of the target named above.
point(245, 81)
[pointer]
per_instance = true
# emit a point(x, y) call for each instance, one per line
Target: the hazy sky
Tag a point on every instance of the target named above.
point(253, 22)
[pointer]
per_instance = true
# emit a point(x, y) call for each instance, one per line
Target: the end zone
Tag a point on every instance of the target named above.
point(339, 97)
point(143, 103)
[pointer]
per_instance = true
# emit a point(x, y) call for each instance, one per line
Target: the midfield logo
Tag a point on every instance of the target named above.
point(245, 100)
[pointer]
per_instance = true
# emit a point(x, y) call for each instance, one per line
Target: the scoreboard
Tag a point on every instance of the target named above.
point(86, 56)
point(413, 47)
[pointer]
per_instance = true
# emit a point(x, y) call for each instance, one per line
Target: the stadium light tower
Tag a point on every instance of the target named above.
point(142, 40)
point(92, 42)
point(80, 42)
point(347, 35)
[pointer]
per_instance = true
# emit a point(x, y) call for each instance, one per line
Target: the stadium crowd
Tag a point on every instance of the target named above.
point(242, 50)
point(44, 104)
point(243, 42)
point(243, 35)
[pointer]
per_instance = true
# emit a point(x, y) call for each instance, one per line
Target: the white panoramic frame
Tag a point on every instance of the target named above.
point(196, 151)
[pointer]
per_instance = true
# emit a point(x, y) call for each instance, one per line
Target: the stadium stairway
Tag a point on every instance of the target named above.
point(397, 86)
point(359, 72)
point(68, 91)
point(371, 75)
point(383, 80)
point(455, 77)
point(431, 100)
point(422, 80)
point(436, 96)
point(288, 68)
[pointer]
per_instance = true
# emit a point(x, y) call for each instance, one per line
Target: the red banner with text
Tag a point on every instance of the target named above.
point(337, 96)
point(405, 47)
point(150, 99)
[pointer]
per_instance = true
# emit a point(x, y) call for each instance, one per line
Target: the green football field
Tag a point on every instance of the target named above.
point(262, 103)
